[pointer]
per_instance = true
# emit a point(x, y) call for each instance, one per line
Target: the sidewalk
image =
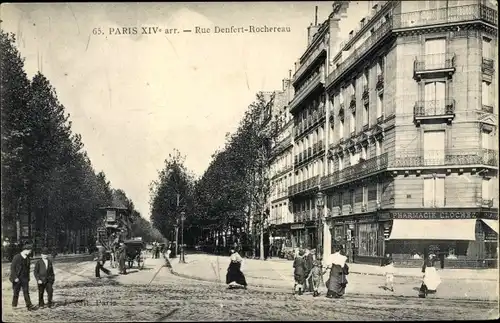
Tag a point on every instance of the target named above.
point(363, 279)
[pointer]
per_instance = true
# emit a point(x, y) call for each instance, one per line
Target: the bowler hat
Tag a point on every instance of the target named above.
point(27, 246)
point(45, 251)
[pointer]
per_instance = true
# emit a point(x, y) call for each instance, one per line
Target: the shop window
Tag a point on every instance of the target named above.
point(367, 239)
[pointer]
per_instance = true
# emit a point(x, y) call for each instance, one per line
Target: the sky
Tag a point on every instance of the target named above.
point(136, 98)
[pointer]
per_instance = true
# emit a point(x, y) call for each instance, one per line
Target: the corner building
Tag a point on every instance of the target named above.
point(410, 132)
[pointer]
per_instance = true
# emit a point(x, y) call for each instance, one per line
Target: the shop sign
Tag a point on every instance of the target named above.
point(297, 226)
point(489, 215)
point(435, 215)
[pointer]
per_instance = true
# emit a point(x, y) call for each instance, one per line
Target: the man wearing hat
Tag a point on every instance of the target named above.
point(45, 277)
point(122, 256)
point(101, 259)
point(20, 276)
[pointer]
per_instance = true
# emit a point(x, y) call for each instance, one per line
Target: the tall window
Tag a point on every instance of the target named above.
point(380, 105)
point(341, 163)
point(435, 53)
point(435, 93)
point(366, 114)
point(486, 47)
point(486, 188)
point(379, 192)
point(341, 128)
point(381, 66)
point(434, 192)
point(365, 196)
point(434, 147)
point(378, 148)
point(485, 140)
point(367, 239)
point(486, 93)
point(353, 121)
point(351, 198)
point(355, 158)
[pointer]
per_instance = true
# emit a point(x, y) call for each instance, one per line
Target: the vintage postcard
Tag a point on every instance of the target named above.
point(242, 161)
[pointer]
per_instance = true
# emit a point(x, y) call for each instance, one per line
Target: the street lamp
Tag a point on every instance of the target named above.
point(183, 218)
point(320, 202)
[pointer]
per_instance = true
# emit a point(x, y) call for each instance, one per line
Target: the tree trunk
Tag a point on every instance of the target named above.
point(262, 237)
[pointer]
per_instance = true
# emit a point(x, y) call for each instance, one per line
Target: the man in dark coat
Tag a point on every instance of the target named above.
point(45, 277)
point(309, 265)
point(20, 276)
point(122, 256)
point(101, 259)
point(299, 273)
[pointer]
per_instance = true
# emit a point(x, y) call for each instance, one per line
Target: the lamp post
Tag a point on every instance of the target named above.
point(183, 217)
point(320, 202)
point(176, 228)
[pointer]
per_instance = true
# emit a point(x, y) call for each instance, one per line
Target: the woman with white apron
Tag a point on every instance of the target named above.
point(431, 278)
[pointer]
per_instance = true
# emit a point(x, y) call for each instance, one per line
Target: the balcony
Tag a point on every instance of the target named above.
point(380, 82)
point(315, 54)
point(366, 95)
point(487, 108)
point(434, 65)
point(352, 103)
point(449, 15)
point(434, 109)
point(364, 168)
point(449, 157)
point(310, 85)
point(304, 186)
point(375, 38)
point(487, 66)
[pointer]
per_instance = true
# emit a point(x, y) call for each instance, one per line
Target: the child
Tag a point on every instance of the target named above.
point(316, 274)
point(389, 273)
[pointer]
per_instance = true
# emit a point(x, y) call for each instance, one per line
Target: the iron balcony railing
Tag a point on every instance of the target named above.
point(487, 66)
point(303, 186)
point(363, 168)
point(433, 62)
point(373, 39)
point(304, 91)
point(365, 92)
point(487, 108)
point(449, 157)
point(311, 121)
point(380, 82)
point(434, 108)
point(312, 57)
point(446, 15)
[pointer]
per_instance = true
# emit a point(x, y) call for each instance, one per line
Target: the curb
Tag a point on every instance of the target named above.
point(216, 281)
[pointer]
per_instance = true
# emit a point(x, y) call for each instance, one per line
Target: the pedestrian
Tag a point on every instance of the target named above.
point(337, 282)
point(20, 276)
point(315, 276)
point(300, 269)
point(166, 255)
point(45, 277)
point(431, 279)
point(122, 256)
point(309, 265)
point(100, 260)
point(235, 276)
point(389, 272)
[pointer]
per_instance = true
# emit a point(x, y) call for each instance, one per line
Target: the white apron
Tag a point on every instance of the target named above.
point(431, 278)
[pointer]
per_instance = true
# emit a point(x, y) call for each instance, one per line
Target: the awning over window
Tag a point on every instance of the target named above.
point(493, 224)
point(453, 229)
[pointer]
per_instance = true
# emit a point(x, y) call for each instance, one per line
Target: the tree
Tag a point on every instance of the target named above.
point(172, 194)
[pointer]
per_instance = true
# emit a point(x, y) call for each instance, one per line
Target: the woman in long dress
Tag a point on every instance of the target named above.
point(234, 276)
point(431, 279)
point(299, 272)
point(337, 282)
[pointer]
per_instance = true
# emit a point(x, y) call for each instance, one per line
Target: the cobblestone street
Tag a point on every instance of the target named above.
point(156, 294)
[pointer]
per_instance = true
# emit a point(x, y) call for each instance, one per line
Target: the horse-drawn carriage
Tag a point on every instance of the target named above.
point(134, 253)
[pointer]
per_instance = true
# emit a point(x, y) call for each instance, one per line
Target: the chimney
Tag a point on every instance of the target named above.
point(290, 74)
point(312, 29)
point(316, 16)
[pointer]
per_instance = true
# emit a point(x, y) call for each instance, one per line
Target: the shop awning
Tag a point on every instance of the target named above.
point(453, 229)
point(493, 224)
